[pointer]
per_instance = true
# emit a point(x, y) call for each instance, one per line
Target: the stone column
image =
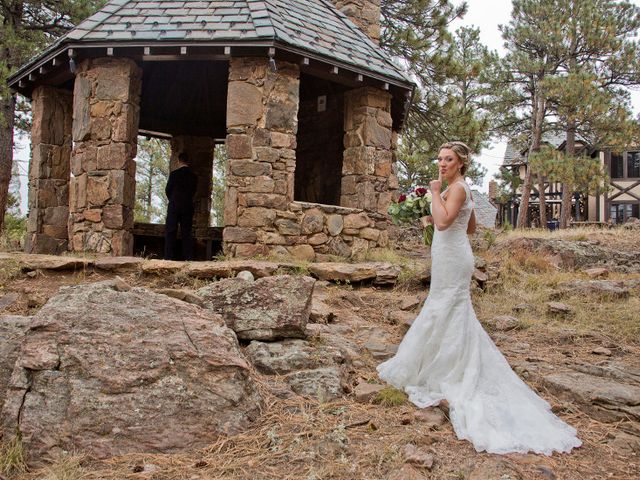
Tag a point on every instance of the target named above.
point(262, 122)
point(106, 110)
point(364, 13)
point(368, 179)
point(200, 151)
point(49, 170)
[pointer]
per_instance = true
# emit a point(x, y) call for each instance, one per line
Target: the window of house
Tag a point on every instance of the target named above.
point(617, 166)
point(633, 164)
point(621, 212)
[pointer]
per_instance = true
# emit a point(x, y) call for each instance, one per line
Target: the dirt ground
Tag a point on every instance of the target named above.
point(302, 439)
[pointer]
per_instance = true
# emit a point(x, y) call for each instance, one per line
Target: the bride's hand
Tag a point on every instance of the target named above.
point(436, 185)
point(426, 221)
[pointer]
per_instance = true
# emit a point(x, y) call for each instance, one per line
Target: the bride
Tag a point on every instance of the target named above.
point(446, 355)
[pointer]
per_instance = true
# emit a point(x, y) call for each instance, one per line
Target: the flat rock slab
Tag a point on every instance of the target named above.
point(51, 262)
point(118, 263)
point(366, 392)
point(602, 288)
point(161, 267)
point(291, 355)
point(602, 398)
point(110, 372)
point(229, 269)
point(271, 308)
point(377, 272)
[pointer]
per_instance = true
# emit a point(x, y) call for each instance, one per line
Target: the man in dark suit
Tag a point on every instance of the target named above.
point(180, 189)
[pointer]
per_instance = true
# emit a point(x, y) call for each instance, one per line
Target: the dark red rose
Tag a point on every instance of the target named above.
point(402, 198)
point(420, 191)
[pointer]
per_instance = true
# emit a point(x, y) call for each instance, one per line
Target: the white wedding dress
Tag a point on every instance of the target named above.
point(446, 354)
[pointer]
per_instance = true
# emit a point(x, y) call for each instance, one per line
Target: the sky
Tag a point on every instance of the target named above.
point(484, 14)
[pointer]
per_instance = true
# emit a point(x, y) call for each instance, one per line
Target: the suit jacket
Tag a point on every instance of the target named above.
point(181, 187)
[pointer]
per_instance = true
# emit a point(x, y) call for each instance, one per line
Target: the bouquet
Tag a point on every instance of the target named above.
point(412, 206)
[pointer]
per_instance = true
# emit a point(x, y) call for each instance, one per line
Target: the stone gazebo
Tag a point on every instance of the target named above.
point(305, 100)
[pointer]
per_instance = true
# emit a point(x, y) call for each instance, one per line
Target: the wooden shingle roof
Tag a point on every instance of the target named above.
point(314, 27)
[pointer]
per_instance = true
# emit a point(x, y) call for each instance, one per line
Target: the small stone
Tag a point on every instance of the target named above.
point(245, 275)
point(601, 351)
point(417, 457)
point(400, 317)
point(597, 272)
point(410, 303)
point(434, 418)
point(503, 323)
point(381, 351)
point(558, 308)
point(521, 307)
point(365, 392)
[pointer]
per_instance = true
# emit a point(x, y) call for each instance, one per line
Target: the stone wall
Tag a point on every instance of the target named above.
point(364, 13)
point(368, 178)
point(261, 216)
point(49, 171)
point(262, 121)
point(106, 110)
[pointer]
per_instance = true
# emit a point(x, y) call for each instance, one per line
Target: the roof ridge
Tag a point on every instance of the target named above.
point(376, 47)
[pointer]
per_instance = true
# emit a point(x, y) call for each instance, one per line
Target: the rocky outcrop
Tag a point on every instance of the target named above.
point(378, 273)
point(12, 330)
point(572, 254)
point(270, 308)
point(107, 369)
point(605, 289)
point(291, 355)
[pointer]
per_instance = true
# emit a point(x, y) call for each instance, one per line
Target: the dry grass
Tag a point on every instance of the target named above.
point(65, 467)
point(619, 236)
point(12, 457)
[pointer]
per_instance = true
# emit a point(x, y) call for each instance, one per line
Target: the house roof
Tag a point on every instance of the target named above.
point(514, 155)
point(314, 27)
point(485, 211)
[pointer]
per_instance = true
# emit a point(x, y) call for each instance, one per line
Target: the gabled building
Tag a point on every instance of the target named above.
point(306, 102)
point(615, 206)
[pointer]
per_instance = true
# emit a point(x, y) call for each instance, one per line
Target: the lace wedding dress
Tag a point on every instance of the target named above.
point(446, 354)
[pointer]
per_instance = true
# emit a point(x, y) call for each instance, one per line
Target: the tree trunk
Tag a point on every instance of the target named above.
point(7, 107)
point(523, 212)
point(567, 188)
point(543, 201)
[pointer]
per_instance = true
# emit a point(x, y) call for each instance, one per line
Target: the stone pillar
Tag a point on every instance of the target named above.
point(200, 151)
point(368, 178)
point(49, 170)
point(106, 110)
point(364, 13)
point(262, 122)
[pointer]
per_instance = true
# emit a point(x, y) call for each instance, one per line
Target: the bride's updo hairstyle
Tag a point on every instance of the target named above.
point(462, 151)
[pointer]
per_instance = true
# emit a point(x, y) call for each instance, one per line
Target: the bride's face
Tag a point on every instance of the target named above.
point(449, 164)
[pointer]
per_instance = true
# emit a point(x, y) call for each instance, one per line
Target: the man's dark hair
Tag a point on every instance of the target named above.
point(183, 157)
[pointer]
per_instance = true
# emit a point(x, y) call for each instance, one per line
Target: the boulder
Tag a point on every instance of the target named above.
point(12, 331)
point(269, 308)
point(557, 308)
point(320, 312)
point(233, 267)
point(291, 355)
point(110, 372)
point(377, 272)
point(184, 295)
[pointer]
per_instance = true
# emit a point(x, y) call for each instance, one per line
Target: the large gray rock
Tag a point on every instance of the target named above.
point(378, 273)
point(323, 384)
point(270, 308)
point(604, 399)
point(12, 330)
point(109, 370)
point(290, 355)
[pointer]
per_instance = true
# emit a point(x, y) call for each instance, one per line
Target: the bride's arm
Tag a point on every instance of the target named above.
point(444, 212)
point(471, 228)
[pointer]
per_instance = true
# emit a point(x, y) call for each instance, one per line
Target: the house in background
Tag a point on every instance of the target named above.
point(485, 209)
point(616, 206)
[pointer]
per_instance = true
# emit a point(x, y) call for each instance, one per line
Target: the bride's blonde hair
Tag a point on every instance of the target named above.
point(462, 151)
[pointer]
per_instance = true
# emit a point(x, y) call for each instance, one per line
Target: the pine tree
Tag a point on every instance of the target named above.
point(152, 173)
point(599, 56)
point(27, 27)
